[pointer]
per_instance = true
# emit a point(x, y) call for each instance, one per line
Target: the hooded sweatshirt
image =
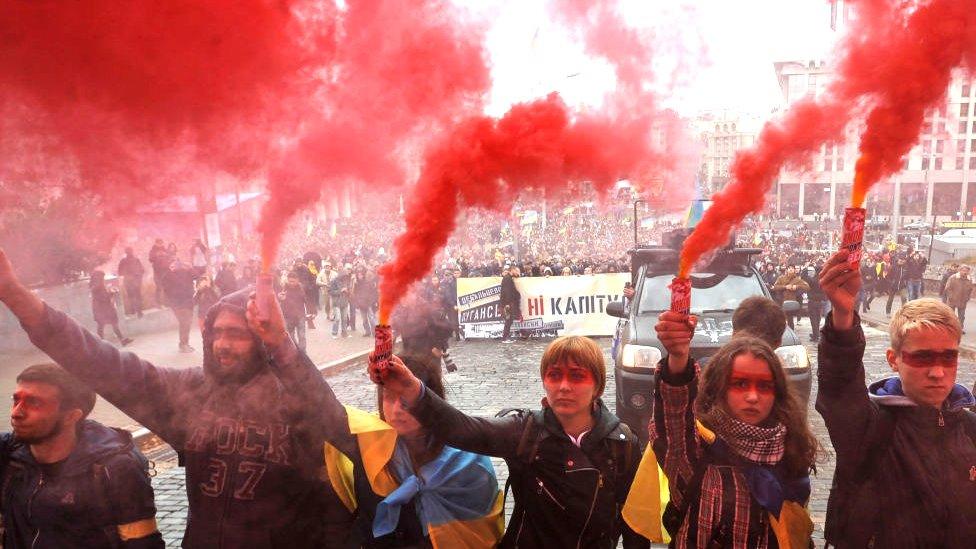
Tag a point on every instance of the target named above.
point(251, 475)
point(920, 487)
point(100, 490)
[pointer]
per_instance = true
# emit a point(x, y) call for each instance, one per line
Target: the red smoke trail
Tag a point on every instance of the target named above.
point(912, 76)
point(486, 163)
point(402, 71)
point(897, 62)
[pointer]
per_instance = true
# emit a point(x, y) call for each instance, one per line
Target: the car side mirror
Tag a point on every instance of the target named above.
point(616, 309)
point(791, 306)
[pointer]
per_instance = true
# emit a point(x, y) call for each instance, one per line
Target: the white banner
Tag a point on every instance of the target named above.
point(550, 306)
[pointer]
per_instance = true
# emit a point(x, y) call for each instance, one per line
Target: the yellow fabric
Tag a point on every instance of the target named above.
point(340, 471)
point(643, 510)
point(647, 499)
point(794, 527)
point(476, 533)
point(138, 529)
point(377, 440)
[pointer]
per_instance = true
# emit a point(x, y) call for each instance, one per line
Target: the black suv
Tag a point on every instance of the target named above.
point(716, 291)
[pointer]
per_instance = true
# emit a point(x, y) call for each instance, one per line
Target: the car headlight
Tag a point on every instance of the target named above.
point(640, 356)
point(793, 356)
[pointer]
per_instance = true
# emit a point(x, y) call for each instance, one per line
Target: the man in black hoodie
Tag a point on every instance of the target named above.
point(252, 469)
point(69, 481)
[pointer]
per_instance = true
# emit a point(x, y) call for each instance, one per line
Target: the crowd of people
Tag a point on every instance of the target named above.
point(273, 458)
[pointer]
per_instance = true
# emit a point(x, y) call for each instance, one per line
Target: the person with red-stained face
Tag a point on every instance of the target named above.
point(751, 389)
point(571, 464)
point(732, 432)
point(906, 444)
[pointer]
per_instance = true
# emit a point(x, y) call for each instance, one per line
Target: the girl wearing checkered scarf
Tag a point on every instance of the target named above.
point(734, 444)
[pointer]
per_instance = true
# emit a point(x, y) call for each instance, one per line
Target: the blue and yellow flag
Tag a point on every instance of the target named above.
point(456, 494)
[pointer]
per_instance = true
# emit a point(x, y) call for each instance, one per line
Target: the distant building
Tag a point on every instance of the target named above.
point(721, 135)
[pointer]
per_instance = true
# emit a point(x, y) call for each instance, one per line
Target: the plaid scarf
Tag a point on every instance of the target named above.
point(761, 445)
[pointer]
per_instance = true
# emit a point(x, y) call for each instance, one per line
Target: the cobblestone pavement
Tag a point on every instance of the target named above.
point(493, 376)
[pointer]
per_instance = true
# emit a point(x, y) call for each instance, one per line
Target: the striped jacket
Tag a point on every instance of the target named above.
point(725, 514)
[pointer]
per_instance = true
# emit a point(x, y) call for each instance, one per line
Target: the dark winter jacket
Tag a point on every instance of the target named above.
point(100, 491)
point(364, 291)
point(904, 475)
point(178, 286)
point(131, 268)
point(510, 297)
point(251, 474)
point(226, 281)
point(103, 305)
point(815, 293)
point(565, 496)
point(293, 305)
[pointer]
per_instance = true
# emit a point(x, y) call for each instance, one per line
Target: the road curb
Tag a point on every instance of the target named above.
point(145, 439)
point(966, 351)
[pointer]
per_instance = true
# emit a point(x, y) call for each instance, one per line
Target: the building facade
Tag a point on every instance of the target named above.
point(939, 177)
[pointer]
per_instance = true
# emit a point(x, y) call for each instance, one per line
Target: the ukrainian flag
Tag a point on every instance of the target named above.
point(456, 494)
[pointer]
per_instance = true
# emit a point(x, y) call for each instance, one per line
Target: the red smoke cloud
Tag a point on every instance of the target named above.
point(402, 71)
point(897, 63)
point(119, 85)
point(486, 162)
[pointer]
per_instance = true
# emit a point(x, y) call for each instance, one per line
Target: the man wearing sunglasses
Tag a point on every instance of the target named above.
point(906, 457)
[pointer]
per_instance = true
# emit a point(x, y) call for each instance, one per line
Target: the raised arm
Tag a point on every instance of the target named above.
point(675, 442)
point(842, 397)
point(311, 400)
point(135, 386)
point(497, 437)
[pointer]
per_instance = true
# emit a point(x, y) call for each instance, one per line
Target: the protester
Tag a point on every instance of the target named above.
point(422, 493)
point(570, 464)
point(132, 271)
point(204, 297)
point(760, 317)
point(364, 298)
point(160, 261)
point(294, 305)
point(510, 302)
point(199, 257)
point(322, 280)
point(914, 271)
point(252, 478)
point(958, 290)
point(69, 481)
point(178, 285)
point(103, 307)
point(869, 275)
point(816, 301)
point(226, 280)
point(904, 445)
point(339, 295)
point(742, 481)
point(788, 287)
point(951, 270)
point(896, 282)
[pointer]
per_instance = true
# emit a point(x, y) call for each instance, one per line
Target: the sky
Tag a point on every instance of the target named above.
point(716, 54)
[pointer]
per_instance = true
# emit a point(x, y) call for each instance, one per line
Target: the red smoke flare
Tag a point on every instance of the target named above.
point(897, 60)
point(486, 163)
point(912, 75)
point(402, 71)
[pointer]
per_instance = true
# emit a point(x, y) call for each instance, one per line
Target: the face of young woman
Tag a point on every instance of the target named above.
point(399, 418)
point(570, 389)
point(751, 390)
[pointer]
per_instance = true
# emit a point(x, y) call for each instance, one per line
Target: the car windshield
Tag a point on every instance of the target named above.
point(709, 292)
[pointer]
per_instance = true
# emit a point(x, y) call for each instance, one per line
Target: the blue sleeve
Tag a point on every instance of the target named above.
point(140, 389)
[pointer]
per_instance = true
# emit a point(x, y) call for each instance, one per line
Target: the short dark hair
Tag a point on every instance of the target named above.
point(73, 393)
point(761, 317)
